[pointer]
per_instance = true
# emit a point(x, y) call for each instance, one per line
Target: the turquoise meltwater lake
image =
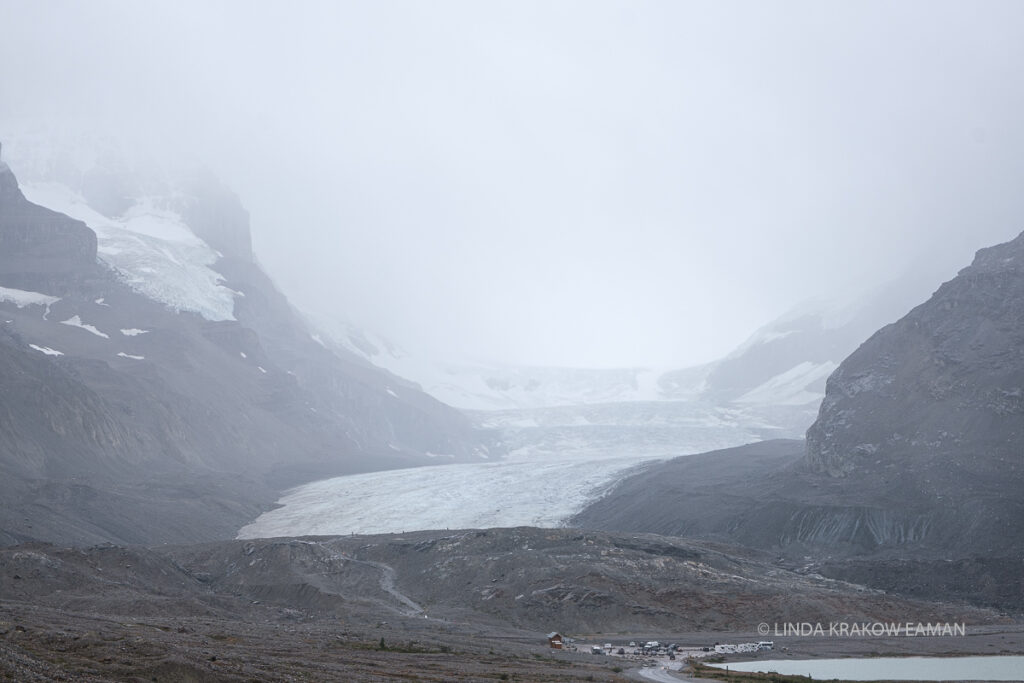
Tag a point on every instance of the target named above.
point(986, 668)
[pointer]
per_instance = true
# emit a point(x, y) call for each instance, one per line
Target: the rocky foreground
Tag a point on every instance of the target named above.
point(469, 605)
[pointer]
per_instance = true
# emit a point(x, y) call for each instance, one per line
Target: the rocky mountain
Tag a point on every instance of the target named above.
point(916, 452)
point(154, 387)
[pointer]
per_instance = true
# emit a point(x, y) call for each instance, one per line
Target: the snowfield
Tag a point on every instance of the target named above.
point(151, 248)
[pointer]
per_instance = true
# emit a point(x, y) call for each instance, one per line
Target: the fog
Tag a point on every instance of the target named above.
point(572, 183)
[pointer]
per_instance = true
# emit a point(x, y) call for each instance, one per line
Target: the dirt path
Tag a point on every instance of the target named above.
point(387, 584)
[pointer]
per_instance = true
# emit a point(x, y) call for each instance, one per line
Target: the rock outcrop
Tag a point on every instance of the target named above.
point(216, 215)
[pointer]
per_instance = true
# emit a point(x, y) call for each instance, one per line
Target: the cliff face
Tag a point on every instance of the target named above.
point(217, 216)
point(939, 393)
point(37, 240)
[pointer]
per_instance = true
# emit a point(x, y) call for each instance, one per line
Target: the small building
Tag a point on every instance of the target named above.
point(555, 640)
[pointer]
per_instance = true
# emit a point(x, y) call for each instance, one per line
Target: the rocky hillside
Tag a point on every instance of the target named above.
point(147, 397)
point(535, 579)
point(710, 495)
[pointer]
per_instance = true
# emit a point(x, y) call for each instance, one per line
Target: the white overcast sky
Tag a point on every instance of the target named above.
point(561, 183)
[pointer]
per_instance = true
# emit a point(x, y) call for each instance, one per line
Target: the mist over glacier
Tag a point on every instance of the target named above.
point(582, 185)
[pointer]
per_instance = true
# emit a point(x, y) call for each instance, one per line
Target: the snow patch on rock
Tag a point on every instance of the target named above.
point(793, 387)
point(76, 321)
point(22, 298)
point(47, 350)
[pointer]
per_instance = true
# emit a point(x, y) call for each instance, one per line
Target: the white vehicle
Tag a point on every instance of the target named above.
point(766, 645)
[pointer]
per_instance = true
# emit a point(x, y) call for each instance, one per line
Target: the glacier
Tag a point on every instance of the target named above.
point(559, 460)
point(537, 493)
